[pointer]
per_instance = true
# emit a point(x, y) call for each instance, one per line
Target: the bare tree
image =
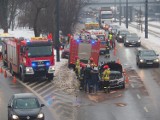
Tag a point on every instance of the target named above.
point(3, 14)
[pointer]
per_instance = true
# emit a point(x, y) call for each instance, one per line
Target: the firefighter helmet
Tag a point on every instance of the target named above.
point(106, 67)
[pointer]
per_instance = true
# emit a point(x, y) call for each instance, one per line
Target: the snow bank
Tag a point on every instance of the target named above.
point(66, 79)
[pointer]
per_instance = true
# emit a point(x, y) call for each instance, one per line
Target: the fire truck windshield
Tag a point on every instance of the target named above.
point(101, 37)
point(38, 51)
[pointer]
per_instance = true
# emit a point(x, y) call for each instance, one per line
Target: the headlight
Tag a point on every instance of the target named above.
point(141, 60)
point(40, 115)
point(14, 117)
point(29, 69)
point(120, 36)
point(139, 41)
point(156, 60)
point(127, 41)
point(51, 68)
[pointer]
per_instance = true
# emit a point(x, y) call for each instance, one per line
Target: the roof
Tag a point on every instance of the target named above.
point(24, 95)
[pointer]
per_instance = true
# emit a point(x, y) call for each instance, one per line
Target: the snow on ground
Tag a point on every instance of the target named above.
point(157, 23)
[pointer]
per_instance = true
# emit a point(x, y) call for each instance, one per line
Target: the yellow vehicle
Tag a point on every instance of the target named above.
point(91, 25)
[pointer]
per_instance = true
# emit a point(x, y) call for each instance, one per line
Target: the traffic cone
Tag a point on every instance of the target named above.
point(127, 79)
point(118, 61)
point(14, 79)
point(1, 70)
point(5, 74)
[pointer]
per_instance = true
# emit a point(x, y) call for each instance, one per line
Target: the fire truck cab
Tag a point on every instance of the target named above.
point(84, 49)
point(101, 35)
point(31, 58)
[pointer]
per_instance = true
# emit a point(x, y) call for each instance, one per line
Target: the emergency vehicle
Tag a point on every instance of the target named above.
point(101, 35)
point(84, 49)
point(92, 25)
point(30, 57)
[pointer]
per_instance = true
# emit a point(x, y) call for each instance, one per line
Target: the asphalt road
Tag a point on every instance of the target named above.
point(7, 89)
point(139, 101)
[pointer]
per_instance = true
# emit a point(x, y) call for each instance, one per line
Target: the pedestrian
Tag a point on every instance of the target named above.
point(95, 79)
point(82, 84)
point(87, 77)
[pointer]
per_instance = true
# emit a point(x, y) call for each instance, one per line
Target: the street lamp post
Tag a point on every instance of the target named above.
point(146, 19)
point(127, 14)
point(120, 12)
point(57, 43)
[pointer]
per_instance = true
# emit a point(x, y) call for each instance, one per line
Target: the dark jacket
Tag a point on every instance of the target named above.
point(87, 73)
point(94, 76)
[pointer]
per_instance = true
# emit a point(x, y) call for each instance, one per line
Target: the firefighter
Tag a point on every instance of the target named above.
point(82, 78)
point(110, 37)
point(107, 51)
point(95, 78)
point(105, 78)
point(91, 62)
point(87, 77)
point(77, 67)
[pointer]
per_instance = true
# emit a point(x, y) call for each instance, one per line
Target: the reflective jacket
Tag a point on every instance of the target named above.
point(105, 75)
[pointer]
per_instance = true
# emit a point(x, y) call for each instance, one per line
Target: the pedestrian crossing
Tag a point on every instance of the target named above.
point(55, 99)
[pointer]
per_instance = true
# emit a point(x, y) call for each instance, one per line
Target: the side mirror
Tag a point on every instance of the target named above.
point(42, 105)
point(9, 106)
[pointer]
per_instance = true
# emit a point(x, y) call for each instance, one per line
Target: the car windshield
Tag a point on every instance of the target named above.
point(115, 75)
point(26, 103)
point(37, 51)
point(148, 53)
point(107, 16)
point(132, 38)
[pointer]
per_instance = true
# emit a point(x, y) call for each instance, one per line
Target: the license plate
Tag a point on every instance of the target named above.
point(149, 63)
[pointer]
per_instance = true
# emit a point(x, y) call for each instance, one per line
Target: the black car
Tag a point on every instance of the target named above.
point(121, 36)
point(25, 106)
point(132, 40)
point(147, 58)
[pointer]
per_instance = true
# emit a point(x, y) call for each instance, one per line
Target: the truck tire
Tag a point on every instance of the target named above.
point(22, 76)
point(11, 70)
point(50, 77)
point(4, 63)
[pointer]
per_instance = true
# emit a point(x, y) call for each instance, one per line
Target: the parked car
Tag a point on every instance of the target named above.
point(25, 106)
point(147, 58)
point(65, 52)
point(121, 36)
point(132, 40)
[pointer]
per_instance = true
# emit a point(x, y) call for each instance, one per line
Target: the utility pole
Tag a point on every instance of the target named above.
point(57, 43)
point(127, 14)
point(120, 12)
point(146, 19)
point(115, 10)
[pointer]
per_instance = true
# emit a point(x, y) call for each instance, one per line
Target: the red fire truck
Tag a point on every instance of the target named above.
point(31, 58)
point(84, 49)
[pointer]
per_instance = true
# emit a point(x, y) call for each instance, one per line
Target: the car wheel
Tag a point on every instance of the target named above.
point(23, 77)
point(123, 87)
point(139, 65)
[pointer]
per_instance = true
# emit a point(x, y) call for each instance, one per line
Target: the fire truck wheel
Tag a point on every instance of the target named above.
point(22, 76)
point(11, 70)
point(50, 77)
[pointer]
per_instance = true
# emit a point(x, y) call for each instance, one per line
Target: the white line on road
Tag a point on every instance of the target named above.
point(138, 96)
point(145, 108)
point(132, 85)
